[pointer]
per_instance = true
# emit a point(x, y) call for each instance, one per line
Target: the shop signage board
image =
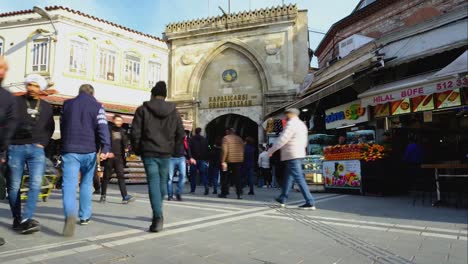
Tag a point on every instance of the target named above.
point(422, 90)
point(401, 107)
point(448, 99)
point(381, 110)
point(345, 115)
point(238, 100)
point(422, 103)
point(344, 174)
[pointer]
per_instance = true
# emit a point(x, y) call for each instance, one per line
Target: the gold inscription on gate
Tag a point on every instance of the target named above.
point(229, 101)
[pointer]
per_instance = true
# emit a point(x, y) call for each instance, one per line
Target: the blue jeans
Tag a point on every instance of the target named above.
point(72, 165)
point(213, 174)
point(157, 173)
point(249, 174)
point(294, 173)
point(201, 167)
point(181, 165)
point(18, 156)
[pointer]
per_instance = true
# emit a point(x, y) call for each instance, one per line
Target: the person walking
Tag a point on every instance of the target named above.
point(264, 165)
point(83, 125)
point(157, 130)
point(34, 129)
point(181, 156)
point(293, 142)
point(231, 163)
point(7, 127)
point(249, 163)
point(214, 168)
point(277, 168)
point(116, 163)
point(199, 148)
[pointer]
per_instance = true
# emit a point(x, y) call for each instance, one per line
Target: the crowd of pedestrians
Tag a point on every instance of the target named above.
point(158, 136)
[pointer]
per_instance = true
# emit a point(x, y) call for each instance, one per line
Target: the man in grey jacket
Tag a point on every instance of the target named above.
point(293, 143)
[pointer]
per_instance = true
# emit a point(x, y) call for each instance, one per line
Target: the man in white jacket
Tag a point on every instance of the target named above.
point(293, 143)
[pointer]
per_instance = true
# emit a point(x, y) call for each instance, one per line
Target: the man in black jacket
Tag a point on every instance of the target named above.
point(119, 144)
point(35, 128)
point(199, 148)
point(157, 129)
point(7, 126)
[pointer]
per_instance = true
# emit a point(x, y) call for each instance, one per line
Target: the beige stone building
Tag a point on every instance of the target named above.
point(230, 70)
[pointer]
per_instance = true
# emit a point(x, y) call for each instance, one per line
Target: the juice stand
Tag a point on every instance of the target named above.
point(347, 166)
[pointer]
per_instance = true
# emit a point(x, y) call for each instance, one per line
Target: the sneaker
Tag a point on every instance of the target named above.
point(170, 198)
point(207, 191)
point(251, 193)
point(16, 224)
point(2, 241)
point(307, 206)
point(103, 199)
point(215, 192)
point(157, 225)
point(97, 192)
point(128, 199)
point(239, 197)
point(69, 227)
point(281, 202)
point(29, 226)
point(179, 197)
point(85, 222)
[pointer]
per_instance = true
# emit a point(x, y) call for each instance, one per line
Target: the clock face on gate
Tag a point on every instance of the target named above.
point(229, 75)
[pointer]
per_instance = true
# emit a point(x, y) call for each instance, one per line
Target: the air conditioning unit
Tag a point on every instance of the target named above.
point(352, 43)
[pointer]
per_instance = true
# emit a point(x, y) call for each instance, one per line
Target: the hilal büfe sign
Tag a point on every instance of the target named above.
point(346, 115)
point(411, 92)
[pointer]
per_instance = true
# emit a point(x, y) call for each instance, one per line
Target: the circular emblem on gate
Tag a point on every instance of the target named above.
point(230, 75)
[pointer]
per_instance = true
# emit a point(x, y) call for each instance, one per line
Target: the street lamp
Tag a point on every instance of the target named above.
point(45, 14)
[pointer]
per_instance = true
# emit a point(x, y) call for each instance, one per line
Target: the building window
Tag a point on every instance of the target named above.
point(106, 64)
point(132, 69)
point(79, 55)
point(40, 54)
point(154, 74)
point(2, 48)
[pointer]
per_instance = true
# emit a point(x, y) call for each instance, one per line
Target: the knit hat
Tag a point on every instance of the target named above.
point(160, 89)
point(38, 79)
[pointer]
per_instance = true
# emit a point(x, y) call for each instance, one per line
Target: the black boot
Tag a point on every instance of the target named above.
point(157, 224)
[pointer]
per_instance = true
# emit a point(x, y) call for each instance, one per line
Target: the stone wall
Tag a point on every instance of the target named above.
point(268, 50)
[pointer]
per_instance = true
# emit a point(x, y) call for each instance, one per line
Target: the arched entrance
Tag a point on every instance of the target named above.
point(244, 127)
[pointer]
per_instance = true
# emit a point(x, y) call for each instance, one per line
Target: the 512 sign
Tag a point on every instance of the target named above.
point(448, 85)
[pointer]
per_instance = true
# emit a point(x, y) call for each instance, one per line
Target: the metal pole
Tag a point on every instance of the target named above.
point(209, 10)
point(229, 7)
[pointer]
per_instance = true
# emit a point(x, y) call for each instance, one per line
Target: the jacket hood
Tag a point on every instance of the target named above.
point(160, 108)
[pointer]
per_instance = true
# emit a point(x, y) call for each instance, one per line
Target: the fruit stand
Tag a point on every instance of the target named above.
point(348, 166)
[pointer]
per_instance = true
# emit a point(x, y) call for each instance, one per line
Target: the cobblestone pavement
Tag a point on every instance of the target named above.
point(205, 229)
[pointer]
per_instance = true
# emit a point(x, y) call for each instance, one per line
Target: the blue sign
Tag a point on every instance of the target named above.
point(230, 75)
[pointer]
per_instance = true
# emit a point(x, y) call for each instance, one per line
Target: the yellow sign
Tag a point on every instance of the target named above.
point(230, 101)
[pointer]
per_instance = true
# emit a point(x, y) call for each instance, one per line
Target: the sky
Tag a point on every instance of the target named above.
point(151, 16)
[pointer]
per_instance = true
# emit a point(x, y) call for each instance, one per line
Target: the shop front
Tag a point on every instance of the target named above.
point(350, 153)
point(432, 111)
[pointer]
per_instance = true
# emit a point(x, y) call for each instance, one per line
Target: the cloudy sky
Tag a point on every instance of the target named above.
point(151, 16)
